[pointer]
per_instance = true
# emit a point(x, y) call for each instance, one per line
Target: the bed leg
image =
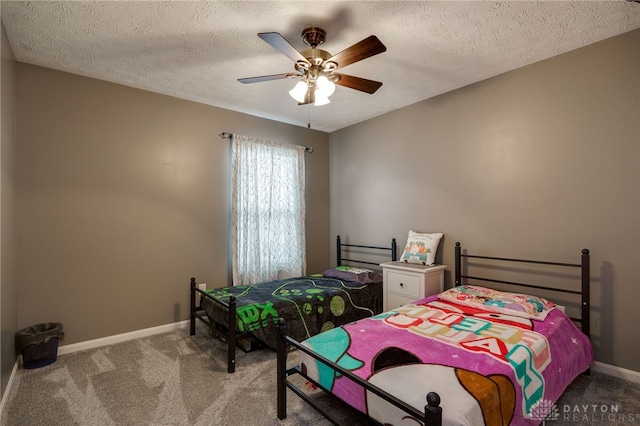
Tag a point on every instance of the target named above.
point(281, 350)
point(231, 348)
point(192, 304)
point(433, 411)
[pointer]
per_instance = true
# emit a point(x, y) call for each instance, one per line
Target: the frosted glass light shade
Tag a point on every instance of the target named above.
point(320, 100)
point(299, 91)
point(324, 87)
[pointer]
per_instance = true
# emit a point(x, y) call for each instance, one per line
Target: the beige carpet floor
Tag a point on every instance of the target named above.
point(176, 379)
point(166, 379)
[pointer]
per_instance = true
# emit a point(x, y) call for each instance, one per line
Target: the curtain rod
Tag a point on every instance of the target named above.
point(227, 135)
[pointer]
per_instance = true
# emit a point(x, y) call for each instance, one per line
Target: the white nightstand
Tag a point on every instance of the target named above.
point(407, 282)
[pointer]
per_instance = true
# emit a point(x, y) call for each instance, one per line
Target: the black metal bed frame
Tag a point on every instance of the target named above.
point(585, 293)
point(432, 415)
point(340, 245)
point(231, 334)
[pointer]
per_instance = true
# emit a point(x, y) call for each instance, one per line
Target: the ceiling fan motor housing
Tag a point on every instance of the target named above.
point(314, 36)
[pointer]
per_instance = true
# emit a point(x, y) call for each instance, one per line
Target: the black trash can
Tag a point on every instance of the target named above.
point(38, 344)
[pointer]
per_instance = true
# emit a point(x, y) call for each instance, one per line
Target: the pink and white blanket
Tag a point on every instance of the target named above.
point(488, 368)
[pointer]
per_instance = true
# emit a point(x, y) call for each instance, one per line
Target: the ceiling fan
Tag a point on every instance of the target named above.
point(316, 68)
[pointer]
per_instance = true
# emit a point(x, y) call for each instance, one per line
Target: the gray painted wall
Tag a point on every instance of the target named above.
point(8, 282)
point(538, 163)
point(123, 195)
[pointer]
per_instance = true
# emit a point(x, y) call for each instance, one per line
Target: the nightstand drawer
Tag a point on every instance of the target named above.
point(404, 284)
point(394, 301)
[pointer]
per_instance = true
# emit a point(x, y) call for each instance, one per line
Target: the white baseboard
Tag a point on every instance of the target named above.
point(110, 340)
point(600, 367)
point(7, 390)
point(619, 372)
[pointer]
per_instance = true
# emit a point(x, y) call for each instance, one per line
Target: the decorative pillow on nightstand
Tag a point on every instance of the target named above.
point(421, 248)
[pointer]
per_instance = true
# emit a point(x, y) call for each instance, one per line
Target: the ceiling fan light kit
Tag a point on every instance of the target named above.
point(316, 68)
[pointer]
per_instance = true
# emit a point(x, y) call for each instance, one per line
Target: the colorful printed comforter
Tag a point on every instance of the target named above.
point(309, 305)
point(488, 368)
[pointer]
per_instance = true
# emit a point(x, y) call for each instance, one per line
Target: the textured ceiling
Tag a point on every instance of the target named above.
point(197, 50)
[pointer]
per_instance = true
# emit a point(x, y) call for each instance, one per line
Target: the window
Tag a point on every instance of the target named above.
point(268, 210)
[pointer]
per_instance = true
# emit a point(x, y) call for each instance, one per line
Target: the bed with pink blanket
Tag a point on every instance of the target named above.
point(483, 356)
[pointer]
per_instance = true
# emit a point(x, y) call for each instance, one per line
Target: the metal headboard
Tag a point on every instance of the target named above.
point(584, 265)
point(340, 258)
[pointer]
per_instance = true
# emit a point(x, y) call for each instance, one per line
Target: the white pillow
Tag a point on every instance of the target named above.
point(421, 248)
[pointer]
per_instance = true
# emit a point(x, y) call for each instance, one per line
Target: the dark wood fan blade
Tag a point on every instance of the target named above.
point(357, 83)
point(283, 46)
point(264, 78)
point(364, 49)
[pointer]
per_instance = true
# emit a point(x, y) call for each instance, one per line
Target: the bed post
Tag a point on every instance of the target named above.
point(433, 411)
point(586, 295)
point(192, 303)
point(281, 367)
point(394, 250)
point(231, 342)
point(458, 263)
point(338, 251)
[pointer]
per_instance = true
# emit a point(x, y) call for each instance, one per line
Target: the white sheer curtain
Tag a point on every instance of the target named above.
point(268, 210)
